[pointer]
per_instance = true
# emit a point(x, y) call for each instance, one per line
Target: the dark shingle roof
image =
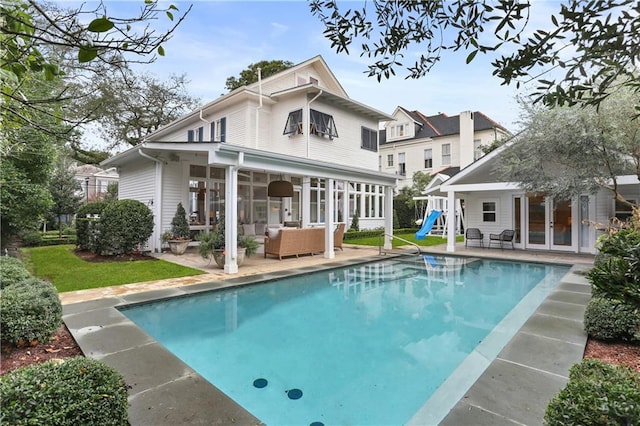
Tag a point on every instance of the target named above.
point(441, 124)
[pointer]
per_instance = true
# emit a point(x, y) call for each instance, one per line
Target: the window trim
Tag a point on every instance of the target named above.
point(446, 155)
point(389, 160)
point(294, 123)
point(430, 150)
point(402, 164)
point(495, 211)
point(322, 124)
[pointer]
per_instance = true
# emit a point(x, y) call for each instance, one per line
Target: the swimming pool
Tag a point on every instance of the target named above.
point(370, 344)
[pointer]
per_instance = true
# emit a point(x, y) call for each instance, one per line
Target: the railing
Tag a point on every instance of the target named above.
point(397, 238)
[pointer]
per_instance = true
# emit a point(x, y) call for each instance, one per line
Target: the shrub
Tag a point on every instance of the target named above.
point(31, 310)
point(608, 319)
point(87, 229)
point(124, 226)
point(12, 271)
point(597, 394)
point(31, 238)
point(78, 391)
point(179, 224)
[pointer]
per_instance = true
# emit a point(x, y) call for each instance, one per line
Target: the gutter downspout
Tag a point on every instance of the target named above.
point(259, 107)
point(157, 204)
point(308, 113)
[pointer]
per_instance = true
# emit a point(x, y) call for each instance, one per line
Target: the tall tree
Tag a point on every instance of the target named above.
point(595, 43)
point(33, 35)
point(65, 191)
point(129, 105)
point(250, 75)
point(568, 151)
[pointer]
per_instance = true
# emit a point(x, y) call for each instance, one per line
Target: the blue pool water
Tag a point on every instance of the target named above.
point(366, 344)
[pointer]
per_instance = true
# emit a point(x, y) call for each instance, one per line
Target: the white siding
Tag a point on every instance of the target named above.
point(137, 182)
point(473, 211)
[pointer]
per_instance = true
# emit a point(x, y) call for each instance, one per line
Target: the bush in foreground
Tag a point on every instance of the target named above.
point(31, 310)
point(597, 394)
point(125, 225)
point(12, 271)
point(78, 391)
point(607, 319)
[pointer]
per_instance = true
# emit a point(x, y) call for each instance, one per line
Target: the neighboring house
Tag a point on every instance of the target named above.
point(433, 144)
point(297, 126)
point(541, 223)
point(94, 180)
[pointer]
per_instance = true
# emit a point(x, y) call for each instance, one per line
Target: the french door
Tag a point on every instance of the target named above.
point(549, 223)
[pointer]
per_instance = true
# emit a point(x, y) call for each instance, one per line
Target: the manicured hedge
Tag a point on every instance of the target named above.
point(608, 319)
point(12, 271)
point(31, 310)
point(78, 391)
point(597, 394)
point(125, 225)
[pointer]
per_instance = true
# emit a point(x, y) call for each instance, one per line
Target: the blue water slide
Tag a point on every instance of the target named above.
point(428, 224)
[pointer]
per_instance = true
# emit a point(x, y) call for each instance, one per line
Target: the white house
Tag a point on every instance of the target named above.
point(298, 126)
point(94, 180)
point(434, 144)
point(540, 223)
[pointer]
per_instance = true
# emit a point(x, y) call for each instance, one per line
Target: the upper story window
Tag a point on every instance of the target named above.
point(446, 154)
point(402, 165)
point(390, 160)
point(398, 130)
point(294, 123)
point(369, 139)
point(428, 158)
point(196, 135)
point(322, 124)
point(477, 149)
point(219, 130)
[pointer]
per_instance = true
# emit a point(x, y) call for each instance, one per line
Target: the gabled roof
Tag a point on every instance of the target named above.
point(441, 124)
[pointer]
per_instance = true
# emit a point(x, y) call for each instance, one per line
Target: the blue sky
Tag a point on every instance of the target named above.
point(219, 39)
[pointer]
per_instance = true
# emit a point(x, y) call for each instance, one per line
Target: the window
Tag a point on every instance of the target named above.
point(219, 128)
point(446, 154)
point(313, 81)
point(195, 135)
point(322, 124)
point(623, 210)
point(428, 159)
point(390, 160)
point(369, 139)
point(402, 166)
point(294, 123)
point(489, 211)
point(477, 149)
point(398, 131)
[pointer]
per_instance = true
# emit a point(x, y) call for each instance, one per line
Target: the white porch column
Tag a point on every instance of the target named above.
point(329, 221)
point(345, 204)
point(231, 220)
point(451, 221)
point(306, 201)
point(388, 216)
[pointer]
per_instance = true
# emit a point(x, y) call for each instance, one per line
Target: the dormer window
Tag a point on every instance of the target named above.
point(294, 123)
point(398, 131)
point(322, 124)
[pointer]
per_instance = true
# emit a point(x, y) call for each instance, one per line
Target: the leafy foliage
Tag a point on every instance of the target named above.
point(568, 151)
point(125, 225)
point(607, 319)
point(31, 310)
point(78, 391)
point(602, 34)
point(12, 271)
point(87, 228)
point(617, 275)
point(597, 394)
point(250, 75)
point(179, 224)
point(64, 190)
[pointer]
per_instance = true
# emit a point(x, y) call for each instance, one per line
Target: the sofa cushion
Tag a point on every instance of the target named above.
point(273, 232)
point(249, 229)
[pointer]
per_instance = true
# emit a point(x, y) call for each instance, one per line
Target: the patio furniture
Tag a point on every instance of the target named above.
point(293, 242)
point(502, 238)
point(473, 234)
point(338, 236)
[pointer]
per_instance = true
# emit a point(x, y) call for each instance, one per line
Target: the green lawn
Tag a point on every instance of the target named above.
point(428, 241)
point(58, 265)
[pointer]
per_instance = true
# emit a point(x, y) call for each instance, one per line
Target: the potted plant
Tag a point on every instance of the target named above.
point(212, 245)
point(179, 236)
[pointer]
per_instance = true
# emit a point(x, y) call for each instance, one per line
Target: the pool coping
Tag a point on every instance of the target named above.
point(515, 388)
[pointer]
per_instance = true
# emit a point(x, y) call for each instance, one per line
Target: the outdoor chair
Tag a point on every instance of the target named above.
point(473, 234)
point(502, 238)
point(338, 236)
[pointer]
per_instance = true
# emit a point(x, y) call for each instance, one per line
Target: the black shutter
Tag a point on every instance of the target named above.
point(223, 129)
point(212, 136)
point(200, 134)
point(189, 135)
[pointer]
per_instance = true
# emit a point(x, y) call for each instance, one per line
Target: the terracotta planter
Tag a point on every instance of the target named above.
point(218, 256)
point(178, 247)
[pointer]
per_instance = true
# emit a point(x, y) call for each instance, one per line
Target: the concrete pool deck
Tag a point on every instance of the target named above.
point(514, 389)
